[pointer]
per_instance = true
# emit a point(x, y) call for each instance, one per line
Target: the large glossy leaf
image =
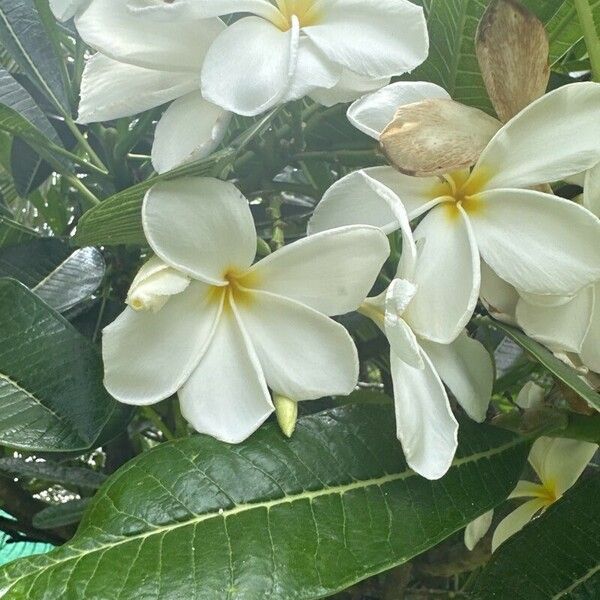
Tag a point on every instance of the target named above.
point(118, 219)
point(555, 556)
point(452, 62)
point(61, 277)
point(59, 515)
point(24, 36)
point(270, 518)
point(557, 367)
point(51, 393)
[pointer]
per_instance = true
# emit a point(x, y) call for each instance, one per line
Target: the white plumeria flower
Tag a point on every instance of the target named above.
point(537, 242)
point(205, 323)
point(332, 50)
point(142, 64)
point(425, 423)
point(66, 9)
point(558, 463)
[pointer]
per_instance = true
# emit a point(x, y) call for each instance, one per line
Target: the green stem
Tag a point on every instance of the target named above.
point(278, 237)
point(79, 185)
point(83, 142)
point(590, 34)
point(155, 419)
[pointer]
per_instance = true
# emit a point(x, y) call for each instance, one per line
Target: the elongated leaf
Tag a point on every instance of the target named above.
point(12, 233)
point(77, 477)
point(61, 277)
point(270, 518)
point(24, 36)
point(118, 219)
point(557, 367)
point(555, 556)
point(51, 393)
point(452, 62)
point(59, 515)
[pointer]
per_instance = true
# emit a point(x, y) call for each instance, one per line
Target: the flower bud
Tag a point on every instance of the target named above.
point(155, 283)
point(287, 414)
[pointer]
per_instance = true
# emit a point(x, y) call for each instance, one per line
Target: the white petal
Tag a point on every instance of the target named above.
point(149, 356)
point(560, 462)
point(249, 68)
point(348, 87)
point(515, 521)
point(184, 10)
point(332, 271)
point(111, 28)
point(418, 194)
point(562, 327)
point(590, 351)
point(476, 529)
point(190, 129)
point(111, 89)
point(377, 38)
point(227, 396)
point(371, 114)
point(403, 342)
point(424, 420)
point(538, 145)
point(591, 190)
point(528, 489)
point(465, 366)
point(66, 9)
point(500, 298)
point(537, 242)
point(314, 71)
point(530, 396)
point(200, 226)
point(447, 275)
point(304, 355)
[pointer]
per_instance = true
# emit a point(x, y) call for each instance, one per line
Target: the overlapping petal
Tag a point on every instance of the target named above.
point(192, 9)
point(190, 129)
point(202, 227)
point(250, 66)
point(515, 521)
point(66, 9)
point(227, 396)
point(447, 276)
point(591, 190)
point(148, 356)
point(477, 529)
point(332, 271)
point(304, 355)
point(537, 242)
point(348, 87)
point(590, 350)
point(500, 298)
point(111, 89)
point(538, 146)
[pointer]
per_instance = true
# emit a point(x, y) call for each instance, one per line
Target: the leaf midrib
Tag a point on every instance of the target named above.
point(241, 508)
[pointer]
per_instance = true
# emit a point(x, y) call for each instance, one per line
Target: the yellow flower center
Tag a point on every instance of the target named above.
point(462, 188)
point(306, 11)
point(548, 493)
point(238, 289)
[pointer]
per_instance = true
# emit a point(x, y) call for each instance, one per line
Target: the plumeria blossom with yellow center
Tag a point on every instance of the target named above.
point(204, 322)
point(332, 50)
point(142, 64)
point(539, 243)
point(425, 424)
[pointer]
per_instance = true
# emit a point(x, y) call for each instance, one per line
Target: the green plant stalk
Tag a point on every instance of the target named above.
point(152, 416)
point(590, 35)
point(79, 185)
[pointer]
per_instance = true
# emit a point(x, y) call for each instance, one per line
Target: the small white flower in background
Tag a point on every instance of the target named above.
point(203, 322)
point(142, 64)
point(425, 423)
point(331, 50)
point(537, 242)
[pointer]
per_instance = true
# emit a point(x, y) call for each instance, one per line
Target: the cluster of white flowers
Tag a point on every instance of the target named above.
point(206, 323)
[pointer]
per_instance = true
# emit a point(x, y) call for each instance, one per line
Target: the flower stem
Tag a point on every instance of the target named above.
point(79, 185)
point(155, 419)
point(590, 35)
point(84, 143)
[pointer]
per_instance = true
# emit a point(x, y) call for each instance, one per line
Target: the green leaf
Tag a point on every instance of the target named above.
point(49, 267)
point(72, 477)
point(271, 518)
point(452, 61)
point(118, 220)
point(12, 233)
point(24, 36)
point(555, 556)
point(51, 393)
point(59, 515)
point(557, 367)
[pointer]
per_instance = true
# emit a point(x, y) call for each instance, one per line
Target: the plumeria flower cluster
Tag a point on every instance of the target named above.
point(557, 463)
point(151, 52)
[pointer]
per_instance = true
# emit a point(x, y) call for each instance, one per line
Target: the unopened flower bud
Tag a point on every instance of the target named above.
point(287, 414)
point(155, 283)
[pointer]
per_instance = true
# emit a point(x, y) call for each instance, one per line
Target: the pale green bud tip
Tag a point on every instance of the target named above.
point(287, 414)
